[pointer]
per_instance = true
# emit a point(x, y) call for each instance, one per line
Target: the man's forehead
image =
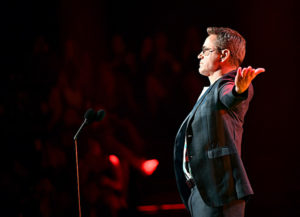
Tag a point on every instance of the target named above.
point(210, 41)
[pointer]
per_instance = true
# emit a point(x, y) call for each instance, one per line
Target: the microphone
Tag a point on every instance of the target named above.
point(89, 117)
point(100, 115)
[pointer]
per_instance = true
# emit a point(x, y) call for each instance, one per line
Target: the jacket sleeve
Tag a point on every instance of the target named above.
point(227, 94)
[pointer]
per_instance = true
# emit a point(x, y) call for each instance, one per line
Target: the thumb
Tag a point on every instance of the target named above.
point(259, 70)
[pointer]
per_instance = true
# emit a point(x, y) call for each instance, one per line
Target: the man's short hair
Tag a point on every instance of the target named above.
point(230, 39)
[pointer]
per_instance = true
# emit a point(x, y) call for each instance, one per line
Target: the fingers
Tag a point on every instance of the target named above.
point(239, 73)
point(250, 72)
point(244, 72)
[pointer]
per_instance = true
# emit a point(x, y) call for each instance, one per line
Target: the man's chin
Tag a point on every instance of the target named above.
point(201, 72)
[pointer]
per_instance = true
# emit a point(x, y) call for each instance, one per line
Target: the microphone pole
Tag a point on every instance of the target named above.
point(89, 117)
point(77, 173)
point(80, 128)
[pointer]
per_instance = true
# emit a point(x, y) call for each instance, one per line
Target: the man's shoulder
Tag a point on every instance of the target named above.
point(229, 75)
point(225, 79)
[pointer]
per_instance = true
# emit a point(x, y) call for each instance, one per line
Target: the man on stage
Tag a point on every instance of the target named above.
point(210, 175)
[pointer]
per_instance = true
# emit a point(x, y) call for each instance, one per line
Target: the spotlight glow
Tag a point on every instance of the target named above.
point(149, 166)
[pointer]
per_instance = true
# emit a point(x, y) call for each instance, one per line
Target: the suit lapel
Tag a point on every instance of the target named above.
point(198, 103)
point(193, 110)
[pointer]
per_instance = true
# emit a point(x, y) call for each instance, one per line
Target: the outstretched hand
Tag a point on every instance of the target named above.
point(244, 77)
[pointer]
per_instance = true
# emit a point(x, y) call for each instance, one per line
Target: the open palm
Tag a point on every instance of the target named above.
point(244, 77)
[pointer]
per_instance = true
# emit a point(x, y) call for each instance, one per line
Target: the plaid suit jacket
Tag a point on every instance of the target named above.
point(213, 132)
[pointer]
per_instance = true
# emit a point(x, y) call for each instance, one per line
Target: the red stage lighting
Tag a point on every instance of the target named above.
point(114, 160)
point(149, 166)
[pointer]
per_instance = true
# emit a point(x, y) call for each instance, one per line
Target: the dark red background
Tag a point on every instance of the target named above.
point(271, 137)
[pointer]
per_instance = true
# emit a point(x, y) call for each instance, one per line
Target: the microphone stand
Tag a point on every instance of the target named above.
point(90, 116)
point(77, 172)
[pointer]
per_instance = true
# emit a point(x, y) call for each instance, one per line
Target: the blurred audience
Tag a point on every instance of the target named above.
point(138, 90)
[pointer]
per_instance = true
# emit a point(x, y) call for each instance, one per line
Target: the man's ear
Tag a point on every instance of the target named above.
point(225, 55)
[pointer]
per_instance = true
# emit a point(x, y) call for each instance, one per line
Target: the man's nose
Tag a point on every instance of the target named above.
point(200, 55)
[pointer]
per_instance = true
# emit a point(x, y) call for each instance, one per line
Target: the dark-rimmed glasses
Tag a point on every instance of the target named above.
point(206, 51)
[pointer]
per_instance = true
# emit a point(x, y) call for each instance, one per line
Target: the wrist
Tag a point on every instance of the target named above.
point(238, 90)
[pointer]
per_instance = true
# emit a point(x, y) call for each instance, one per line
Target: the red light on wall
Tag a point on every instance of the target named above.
point(149, 166)
point(172, 206)
point(156, 208)
point(114, 160)
point(148, 208)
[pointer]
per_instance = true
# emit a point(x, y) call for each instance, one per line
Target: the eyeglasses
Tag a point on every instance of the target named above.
point(207, 51)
